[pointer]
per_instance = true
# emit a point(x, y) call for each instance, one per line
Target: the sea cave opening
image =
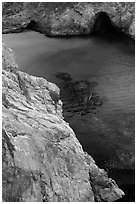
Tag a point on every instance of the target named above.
point(104, 27)
point(33, 25)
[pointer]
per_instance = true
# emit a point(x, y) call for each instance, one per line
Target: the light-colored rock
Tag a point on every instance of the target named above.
point(42, 158)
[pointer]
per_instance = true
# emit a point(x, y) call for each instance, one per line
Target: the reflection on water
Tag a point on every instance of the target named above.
point(111, 64)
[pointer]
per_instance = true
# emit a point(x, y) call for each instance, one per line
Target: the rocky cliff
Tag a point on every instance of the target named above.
point(66, 18)
point(42, 158)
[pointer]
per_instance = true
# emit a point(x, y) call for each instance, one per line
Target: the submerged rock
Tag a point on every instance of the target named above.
point(79, 97)
point(69, 18)
point(42, 158)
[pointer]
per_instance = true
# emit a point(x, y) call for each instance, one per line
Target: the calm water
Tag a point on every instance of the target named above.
point(110, 64)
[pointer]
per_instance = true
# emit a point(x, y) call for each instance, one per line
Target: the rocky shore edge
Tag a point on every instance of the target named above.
point(69, 18)
point(42, 158)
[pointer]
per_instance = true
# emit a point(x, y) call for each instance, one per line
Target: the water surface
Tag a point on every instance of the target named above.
point(112, 66)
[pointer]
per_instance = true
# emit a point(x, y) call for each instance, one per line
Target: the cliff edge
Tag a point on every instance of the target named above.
point(42, 158)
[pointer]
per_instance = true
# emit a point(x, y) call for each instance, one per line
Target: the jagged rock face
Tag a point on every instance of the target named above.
point(66, 18)
point(42, 158)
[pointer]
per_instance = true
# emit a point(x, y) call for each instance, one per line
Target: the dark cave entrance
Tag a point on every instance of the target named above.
point(37, 26)
point(105, 28)
point(33, 25)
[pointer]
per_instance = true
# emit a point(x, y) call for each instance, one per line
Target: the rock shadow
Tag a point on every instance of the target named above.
point(105, 28)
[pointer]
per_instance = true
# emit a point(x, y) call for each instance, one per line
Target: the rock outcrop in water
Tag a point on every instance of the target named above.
point(42, 158)
point(66, 18)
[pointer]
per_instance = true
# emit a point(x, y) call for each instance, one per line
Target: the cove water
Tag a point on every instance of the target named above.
point(110, 64)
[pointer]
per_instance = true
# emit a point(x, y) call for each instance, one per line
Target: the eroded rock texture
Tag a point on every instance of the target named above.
point(66, 18)
point(42, 158)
